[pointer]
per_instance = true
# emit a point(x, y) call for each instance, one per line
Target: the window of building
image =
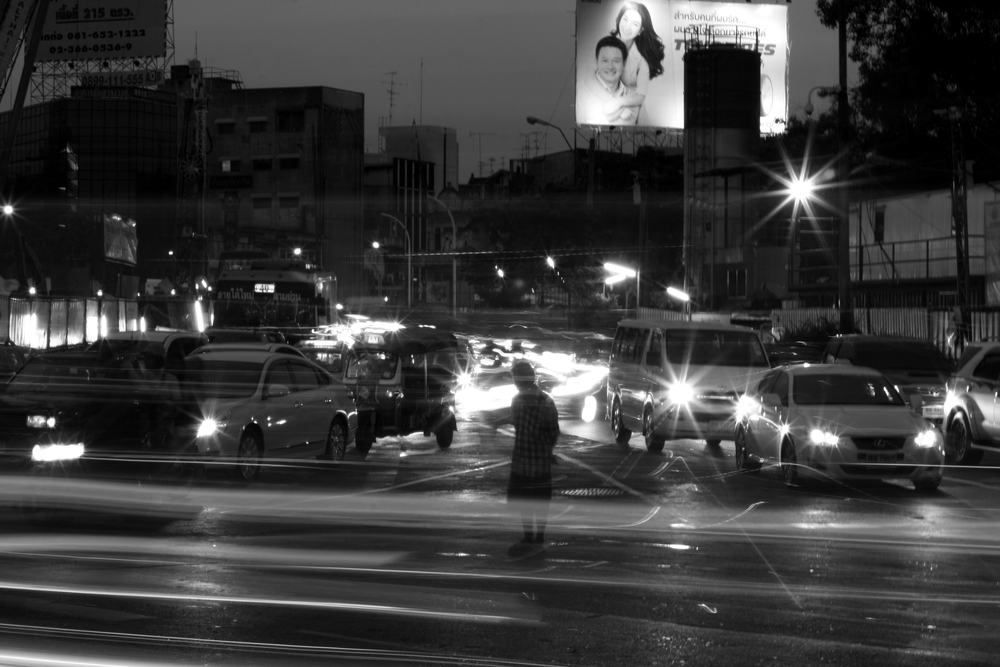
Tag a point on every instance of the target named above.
point(290, 121)
point(736, 280)
point(225, 126)
point(257, 124)
point(262, 163)
point(878, 228)
point(231, 165)
point(288, 162)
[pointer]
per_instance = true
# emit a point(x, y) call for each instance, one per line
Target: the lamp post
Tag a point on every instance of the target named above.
point(538, 121)
point(683, 297)
point(454, 259)
point(624, 272)
point(409, 260)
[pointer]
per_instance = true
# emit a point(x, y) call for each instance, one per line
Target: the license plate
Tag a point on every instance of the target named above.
point(933, 411)
point(881, 458)
point(726, 425)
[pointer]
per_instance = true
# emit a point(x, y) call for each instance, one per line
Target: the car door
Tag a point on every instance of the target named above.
point(650, 368)
point(313, 405)
point(984, 386)
point(633, 389)
point(773, 416)
point(279, 414)
point(755, 413)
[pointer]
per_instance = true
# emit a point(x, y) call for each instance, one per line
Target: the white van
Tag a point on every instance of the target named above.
point(671, 380)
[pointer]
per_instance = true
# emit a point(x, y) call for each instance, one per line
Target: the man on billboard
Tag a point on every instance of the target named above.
point(604, 83)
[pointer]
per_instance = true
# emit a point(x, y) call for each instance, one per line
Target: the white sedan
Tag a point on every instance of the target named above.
point(837, 422)
point(259, 405)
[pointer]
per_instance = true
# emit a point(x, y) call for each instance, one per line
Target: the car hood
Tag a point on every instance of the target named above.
point(861, 420)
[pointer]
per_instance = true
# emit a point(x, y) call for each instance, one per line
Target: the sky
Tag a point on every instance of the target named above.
point(478, 66)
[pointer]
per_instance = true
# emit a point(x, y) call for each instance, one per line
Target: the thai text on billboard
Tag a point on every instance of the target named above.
point(644, 85)
point(104, 29)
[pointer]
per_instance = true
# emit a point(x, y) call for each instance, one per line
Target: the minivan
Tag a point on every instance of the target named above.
point(671, 380)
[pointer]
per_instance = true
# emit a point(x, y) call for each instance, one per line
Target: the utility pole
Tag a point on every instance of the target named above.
point(843, 174)
point(959, 218)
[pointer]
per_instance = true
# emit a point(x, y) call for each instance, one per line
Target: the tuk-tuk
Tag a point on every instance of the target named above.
point(404, 381)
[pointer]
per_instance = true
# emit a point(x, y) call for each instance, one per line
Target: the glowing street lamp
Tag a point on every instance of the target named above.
point(683, 297)
point(624, 272)
point(8, 209)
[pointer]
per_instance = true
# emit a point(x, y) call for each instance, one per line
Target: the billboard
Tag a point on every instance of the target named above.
point(665, 22)
point(120, 242)
point(98, 29)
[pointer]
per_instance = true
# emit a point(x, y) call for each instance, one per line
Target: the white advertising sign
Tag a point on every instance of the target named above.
point(645, 27)
point(96, 29)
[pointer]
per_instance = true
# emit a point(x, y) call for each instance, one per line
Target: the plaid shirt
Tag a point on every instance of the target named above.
point(536, 429)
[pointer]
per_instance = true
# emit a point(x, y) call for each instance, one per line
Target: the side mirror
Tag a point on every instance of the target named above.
point(916, 402)
point(276, 391)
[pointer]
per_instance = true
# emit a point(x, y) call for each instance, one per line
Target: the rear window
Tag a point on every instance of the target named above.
point(715, 348)
point(215, 378)
point(844, 390)
point(898, 355)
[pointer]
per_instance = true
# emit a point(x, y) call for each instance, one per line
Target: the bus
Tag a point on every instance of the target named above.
point(287, 294)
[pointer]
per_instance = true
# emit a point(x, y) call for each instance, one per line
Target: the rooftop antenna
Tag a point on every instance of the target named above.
point(421, 90)
point(392, 92)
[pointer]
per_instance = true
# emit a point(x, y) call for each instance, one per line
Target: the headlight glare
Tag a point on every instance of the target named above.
point(821, 437)
point(681, 393)
point(48, 453)
point(210, 426)
point(41, 421)
point(928, 438)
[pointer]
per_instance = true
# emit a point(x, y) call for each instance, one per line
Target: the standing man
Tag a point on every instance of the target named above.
point(536, 429)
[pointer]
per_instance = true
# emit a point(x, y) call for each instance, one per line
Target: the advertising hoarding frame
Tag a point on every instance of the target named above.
point(104, 29)
point(663, 107)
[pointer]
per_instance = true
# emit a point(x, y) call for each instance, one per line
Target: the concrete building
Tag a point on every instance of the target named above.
point(83, 169)
point(284, 170)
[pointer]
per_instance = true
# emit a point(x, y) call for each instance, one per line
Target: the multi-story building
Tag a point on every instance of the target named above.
point(284, 174)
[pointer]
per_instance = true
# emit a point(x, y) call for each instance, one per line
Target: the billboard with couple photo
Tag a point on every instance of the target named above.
point(629, 58)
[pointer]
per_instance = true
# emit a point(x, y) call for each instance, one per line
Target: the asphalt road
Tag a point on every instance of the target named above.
point(401, 558)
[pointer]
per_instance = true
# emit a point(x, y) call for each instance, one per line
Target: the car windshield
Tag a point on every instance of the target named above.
point(61, 375)
point(844, 389)
point(900, 355)
point(715, 348)
point(372, 364)
point(218, 378)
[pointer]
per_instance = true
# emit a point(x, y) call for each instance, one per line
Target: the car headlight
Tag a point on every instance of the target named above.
point(41, 421)
point(826, 438)
point(210, 426)
point(50, 453)
point(928, 438)
point(680, 393)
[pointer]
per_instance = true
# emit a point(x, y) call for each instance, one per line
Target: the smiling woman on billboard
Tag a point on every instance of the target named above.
point(634, 27)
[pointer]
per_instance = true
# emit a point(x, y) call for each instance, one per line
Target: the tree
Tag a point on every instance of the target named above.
point(915, 58)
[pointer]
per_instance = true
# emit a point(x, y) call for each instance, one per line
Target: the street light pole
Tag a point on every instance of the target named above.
point(409, 260)
point(454, 259)
point(538, 121)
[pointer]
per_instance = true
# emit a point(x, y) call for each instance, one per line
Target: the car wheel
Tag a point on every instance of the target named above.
point(789, 464)
point(622, 434)
point(743, 458)
point(959, 450)
point(654, 443)
point(336, 441)
point(247, 468)
point(445, 434)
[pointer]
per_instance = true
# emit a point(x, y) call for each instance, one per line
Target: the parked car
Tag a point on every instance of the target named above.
point(670, 379)
point(248, 335)
point(914, 365)
point(89, 415)
point(176, 344)
point(258, 406)
point(837, 422)
point(12, 357)
point(972, 408)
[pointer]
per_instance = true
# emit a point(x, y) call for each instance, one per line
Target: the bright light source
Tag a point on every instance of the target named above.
point(100, 293)
point(500, 272)
point(801, 189)
point(297, 251)
point(617, 278)
point(677, 294)
point(375, 244)
point(170, 252)
point(551, 262)
point(32, 291)
point(623, 270)
point(8, 209)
